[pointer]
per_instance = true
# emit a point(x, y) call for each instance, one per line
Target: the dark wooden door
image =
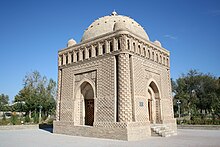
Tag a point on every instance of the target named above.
point(89, 112)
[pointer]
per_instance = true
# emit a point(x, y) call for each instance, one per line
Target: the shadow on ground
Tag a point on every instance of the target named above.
point(46, 127)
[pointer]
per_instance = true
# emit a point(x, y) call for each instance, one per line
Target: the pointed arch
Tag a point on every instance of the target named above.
point(81, 82)
point(84, 102)
point(151, 82)
point(154, 101)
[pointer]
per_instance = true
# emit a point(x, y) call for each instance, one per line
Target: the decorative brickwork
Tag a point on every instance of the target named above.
point(66, 104)
point(139, 81)
point(124, 89)
point(106, 91)
point(114, 84)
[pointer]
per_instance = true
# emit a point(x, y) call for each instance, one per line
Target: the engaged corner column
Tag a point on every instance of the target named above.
point(124, 89)
point(58, 96)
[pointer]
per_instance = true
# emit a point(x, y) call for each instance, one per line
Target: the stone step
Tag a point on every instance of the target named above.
point(161, 130)
point(154, 134)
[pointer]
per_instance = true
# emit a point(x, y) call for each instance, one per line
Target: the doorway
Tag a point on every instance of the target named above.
point(87, 93)
point(153, 97)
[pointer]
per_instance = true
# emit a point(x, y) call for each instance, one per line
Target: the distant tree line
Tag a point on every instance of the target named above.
point(198, 95)
point(38, 94)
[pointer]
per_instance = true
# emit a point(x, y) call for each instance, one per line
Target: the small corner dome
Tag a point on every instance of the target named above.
point(111, 23)
point(120, 26)
point(71, 42)
point(156, 42)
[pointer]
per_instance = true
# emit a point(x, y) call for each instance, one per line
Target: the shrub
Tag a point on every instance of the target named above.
point(44, 117)
point(4, 121)
point(27, 119)
point(50, 121)
point(4, 117)
point(14, 119)
point(199, 121)
point(36, 118)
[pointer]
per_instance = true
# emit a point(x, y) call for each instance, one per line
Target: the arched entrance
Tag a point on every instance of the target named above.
point(153, 97)
point(87, 97)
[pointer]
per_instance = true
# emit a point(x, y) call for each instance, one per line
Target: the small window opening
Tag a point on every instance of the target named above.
point(66, 59)
point(119, 45)
point(103, 48)
point(72, 57)
point(77, 56)
point(96, 51)
point(111, 47)
point(128, 42)
point(83, 55)
point(90, 53)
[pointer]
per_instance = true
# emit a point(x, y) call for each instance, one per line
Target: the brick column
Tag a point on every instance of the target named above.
point(80, 55)
point(58, 95)
point(60, 60)
point(124, 89)
point(107, 46)
point(100, 49)
point(115, 44)
point(64, 59)
point(69, 57)
point(74, 56)
point(93, 51)
point(86, 53)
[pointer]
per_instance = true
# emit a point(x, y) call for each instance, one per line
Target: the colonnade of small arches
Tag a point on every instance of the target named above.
point(111, 45)
point(94, 50)
point(147, 51)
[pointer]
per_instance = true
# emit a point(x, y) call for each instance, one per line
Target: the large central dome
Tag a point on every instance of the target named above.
point(107, 24)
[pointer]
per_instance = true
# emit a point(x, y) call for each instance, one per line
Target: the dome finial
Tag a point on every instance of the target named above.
point(114, 13)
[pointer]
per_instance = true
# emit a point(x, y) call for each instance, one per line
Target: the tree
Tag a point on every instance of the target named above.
point(216, 101)
point(197, 93)
point(37, 92)
point(4, 101)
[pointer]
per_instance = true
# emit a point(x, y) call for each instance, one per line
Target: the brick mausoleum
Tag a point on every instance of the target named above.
point(115, 83)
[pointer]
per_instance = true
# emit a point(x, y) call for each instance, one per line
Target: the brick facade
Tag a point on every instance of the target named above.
point(126, 75)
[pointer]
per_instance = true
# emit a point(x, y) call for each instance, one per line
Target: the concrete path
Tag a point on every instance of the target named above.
point(42, 138)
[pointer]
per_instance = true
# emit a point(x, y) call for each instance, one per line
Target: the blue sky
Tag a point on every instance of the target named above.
point(32, 32)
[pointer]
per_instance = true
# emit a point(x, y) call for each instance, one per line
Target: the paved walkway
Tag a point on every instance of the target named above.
point(42, 138)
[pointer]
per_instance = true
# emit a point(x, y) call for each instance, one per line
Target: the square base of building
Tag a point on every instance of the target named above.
point(120, 131)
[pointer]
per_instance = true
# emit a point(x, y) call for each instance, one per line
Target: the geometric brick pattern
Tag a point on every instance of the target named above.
point(111, 124)
point(66, 95)
point(139, 82)
point(124, 89)
point(58, 95)
point(106, 90)
point(95, 60)
point(170, 93)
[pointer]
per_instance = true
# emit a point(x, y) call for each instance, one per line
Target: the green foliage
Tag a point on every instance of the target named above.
point(37, 92)
point(199, 94)
point(14, 119)
point(3, 117)
point(27, 119)
point(50, 121)
point(4, 121)
point(198, 121)
point(36, 118)
point(4, 100)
